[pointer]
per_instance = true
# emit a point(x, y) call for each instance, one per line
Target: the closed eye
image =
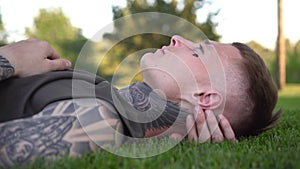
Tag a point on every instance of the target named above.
point(195, 55)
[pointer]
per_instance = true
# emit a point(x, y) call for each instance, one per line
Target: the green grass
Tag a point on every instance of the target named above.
point(291, 90)
point(278, 148)
point(289, 98)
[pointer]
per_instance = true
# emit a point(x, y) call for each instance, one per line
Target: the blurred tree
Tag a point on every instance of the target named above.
point(292, 62)
point(281, 63)
point(184, 9)
point(54, 27)
point(292, 59)
point(3, 34)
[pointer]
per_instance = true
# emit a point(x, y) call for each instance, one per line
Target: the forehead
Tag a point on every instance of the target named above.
point(226, 50)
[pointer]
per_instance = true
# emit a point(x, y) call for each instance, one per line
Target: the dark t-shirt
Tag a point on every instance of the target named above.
point(23, 97)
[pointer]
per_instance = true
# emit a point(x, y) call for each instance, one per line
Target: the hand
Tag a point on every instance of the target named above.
point(32, 56)
point(206, 127)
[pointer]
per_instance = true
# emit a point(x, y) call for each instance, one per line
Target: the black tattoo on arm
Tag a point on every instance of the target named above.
point(61, 128)
point(6, 69)
point(24, 140)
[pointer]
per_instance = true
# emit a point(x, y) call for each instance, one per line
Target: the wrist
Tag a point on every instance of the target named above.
point(7, 70)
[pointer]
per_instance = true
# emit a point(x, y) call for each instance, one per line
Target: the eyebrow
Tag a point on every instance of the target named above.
point(201, 48)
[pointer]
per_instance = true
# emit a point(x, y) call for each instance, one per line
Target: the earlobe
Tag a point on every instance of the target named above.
point(210, 99)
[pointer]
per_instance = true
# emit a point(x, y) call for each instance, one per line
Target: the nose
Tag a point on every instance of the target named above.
point(179, 41)
point(175, 41)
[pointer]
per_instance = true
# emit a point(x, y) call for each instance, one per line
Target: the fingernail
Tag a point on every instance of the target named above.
point(176, 137)
point(68, 64)
point(220, 116)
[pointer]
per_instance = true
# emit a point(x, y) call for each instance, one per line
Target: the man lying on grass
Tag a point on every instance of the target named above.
point(205, 92)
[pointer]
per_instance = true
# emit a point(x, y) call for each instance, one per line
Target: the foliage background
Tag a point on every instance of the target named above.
point(53, 26)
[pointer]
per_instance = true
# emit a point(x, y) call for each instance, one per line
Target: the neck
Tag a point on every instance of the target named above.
point(158, 113)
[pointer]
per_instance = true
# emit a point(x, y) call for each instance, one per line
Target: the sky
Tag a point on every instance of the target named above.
point(238, 20)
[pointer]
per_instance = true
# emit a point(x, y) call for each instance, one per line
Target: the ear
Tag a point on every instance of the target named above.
point(209, 99)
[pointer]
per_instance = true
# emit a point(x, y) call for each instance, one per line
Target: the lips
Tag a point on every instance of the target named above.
point(160, 50)
point(163, 49)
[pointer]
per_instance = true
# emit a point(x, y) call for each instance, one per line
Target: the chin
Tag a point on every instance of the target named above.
point(146, 58)
point(142, 61)
point(147, 67)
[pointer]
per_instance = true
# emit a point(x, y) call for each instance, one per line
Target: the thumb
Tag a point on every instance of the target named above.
point(58, 64)
point(176, 137)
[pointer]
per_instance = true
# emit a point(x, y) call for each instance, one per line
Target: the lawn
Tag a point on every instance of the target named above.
point(278, 148)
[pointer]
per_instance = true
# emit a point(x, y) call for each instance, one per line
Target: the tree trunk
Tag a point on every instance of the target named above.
point(281, 73)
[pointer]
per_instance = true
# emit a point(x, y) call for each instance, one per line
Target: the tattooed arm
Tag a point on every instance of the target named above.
point(66, 127)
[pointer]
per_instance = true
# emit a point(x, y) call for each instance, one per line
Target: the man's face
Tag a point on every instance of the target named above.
point(184, 67)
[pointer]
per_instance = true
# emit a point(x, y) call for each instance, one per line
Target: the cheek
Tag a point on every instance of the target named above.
point(195, 69)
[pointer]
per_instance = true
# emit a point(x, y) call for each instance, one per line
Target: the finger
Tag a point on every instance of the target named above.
point(176, 137)
point(213, 125)
point(52, 54)
point(191, 129)
point(57, 64)
point(227, 129)
point(202, 129)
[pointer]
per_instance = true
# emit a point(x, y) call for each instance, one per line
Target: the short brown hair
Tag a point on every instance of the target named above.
point(261, 91)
